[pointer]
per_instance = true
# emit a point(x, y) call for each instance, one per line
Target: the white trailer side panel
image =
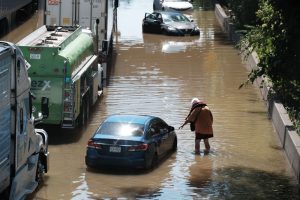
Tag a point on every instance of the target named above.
point(60, 12)
point(88, 12)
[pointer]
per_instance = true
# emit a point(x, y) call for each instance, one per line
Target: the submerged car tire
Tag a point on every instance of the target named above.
point(164, 32)
point(154, 162)
point(174, 146)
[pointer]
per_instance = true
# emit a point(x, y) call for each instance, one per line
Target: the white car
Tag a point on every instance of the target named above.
point(171, 5)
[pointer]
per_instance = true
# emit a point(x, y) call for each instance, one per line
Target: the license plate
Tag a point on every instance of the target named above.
point(115, 149)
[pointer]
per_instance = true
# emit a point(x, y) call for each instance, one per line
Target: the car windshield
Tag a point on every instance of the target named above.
point(121, 129)
point(176, 17)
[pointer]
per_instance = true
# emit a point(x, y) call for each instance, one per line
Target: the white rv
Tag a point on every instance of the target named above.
point(23, 149)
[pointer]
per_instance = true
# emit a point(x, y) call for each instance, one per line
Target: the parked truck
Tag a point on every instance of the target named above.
point(86, 13)
point(23, 149)
point(64, 68)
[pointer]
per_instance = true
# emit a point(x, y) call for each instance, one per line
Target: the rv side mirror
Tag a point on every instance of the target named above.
point(45, 107)
point(116, 3)
point(104, 45)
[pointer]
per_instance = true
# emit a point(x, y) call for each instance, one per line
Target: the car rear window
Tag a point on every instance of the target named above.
point(121, 129)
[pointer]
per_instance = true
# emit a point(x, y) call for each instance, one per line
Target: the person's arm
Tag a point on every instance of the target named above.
point(185, 122)
point(190, 118)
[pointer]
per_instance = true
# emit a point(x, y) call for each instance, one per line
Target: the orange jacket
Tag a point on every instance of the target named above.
point(203, 119)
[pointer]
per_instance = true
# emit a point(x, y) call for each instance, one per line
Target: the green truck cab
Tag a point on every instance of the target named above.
point(64, 68)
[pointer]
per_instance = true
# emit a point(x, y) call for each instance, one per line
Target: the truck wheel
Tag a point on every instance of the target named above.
point(87, 113)
point(40, 170)
point(83, 114)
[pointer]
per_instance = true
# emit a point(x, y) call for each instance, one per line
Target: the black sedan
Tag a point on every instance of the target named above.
point(134, 141)
point(169, 23)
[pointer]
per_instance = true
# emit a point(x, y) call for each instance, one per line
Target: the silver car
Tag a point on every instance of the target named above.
point(172, 5)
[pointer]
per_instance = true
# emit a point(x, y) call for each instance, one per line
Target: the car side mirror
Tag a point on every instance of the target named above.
point(171, 128)
point(157, 21)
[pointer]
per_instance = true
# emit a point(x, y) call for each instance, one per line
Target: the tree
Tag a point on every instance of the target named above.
point(276, 40)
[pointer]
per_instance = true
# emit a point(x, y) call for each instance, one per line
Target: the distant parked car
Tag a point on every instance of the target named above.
point(169, 23)
point(172, 5)
point(137, 141)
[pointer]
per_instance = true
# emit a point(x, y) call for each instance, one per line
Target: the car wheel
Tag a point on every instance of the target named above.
point(151, 162)
point(154, 161)
point(174, 147)
point(143, 29)
point(164, 32)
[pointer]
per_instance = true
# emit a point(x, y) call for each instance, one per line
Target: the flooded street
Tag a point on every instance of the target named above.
point(159, 75)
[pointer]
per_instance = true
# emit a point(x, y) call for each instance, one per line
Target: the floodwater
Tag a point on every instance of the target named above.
point(159, 75)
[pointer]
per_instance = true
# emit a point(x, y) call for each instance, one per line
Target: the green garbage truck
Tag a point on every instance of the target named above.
point(64, 68)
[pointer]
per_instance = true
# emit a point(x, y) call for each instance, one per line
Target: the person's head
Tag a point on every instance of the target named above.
point(194, 101)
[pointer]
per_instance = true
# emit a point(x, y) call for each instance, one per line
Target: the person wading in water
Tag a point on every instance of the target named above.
point(201, 120)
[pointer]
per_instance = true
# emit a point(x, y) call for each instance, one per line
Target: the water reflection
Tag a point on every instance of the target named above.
point(232, 182)
point(201, 176)
point(129, 184)
point(166, 44)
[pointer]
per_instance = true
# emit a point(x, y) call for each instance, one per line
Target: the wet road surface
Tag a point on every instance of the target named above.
point(159, 75)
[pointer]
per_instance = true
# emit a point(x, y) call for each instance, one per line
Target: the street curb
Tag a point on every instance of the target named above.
point(290, 140)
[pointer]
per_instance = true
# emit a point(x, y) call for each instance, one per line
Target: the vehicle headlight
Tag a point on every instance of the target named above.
point(170, 28)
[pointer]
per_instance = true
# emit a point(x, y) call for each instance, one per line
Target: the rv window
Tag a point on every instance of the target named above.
point(21, 120)
point(18, 68)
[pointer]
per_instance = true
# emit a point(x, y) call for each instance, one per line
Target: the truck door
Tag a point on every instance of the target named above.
point(23, 145)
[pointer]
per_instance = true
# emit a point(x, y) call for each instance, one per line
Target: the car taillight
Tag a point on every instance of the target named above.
point(142, 147)
point(93, 144)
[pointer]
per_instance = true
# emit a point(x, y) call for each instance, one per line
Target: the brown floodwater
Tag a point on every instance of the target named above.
point(159, 75)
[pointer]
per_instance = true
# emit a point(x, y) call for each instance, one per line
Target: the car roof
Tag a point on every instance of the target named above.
point(125, 118)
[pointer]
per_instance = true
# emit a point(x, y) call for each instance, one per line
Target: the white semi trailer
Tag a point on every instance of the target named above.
point(97, 15)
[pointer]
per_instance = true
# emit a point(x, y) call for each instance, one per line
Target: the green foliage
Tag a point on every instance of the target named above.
point(275, 38)
point(243, 12)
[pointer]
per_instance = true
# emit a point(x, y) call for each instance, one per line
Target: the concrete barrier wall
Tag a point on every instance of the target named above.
point(290, 140)
point(281, 121)
point(292, 150)
point(225, 24)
